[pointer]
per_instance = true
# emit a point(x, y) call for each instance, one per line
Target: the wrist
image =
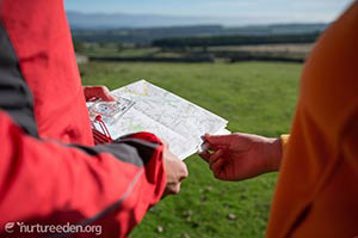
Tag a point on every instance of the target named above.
point(273, 154)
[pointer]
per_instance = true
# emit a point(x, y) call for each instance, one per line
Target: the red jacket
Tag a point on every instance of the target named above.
point(50, 170)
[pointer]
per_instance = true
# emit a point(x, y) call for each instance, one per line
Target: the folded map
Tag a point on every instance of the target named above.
point(142, 106)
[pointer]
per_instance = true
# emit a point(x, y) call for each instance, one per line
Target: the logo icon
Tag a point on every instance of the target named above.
point(9, 227)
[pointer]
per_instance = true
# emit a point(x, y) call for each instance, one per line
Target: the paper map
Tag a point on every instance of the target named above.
point(175, 120)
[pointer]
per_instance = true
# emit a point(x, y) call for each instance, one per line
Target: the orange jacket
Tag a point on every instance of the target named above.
point(317, 191)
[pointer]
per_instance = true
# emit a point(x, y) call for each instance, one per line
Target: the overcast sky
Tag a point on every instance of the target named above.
point(228, 12)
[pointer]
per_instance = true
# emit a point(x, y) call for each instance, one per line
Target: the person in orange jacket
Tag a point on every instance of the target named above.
point(317, 190)
point(51, 172)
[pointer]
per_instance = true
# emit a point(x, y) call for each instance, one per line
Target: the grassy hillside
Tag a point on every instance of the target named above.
point(255, 98)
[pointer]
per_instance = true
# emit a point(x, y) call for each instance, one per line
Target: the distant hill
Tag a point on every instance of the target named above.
point(80, 20)
point(143, 29)
point(148, 35)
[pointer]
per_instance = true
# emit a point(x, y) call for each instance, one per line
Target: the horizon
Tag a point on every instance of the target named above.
point(225, 13)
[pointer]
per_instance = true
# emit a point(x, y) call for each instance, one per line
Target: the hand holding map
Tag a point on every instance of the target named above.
point(142, 106)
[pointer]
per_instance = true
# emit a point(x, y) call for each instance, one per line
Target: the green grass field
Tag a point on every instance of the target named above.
point(255, 98)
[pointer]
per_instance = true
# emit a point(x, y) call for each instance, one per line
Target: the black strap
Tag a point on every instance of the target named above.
point(15, 95)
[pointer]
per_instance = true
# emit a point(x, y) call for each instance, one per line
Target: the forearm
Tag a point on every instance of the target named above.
point(112, 184)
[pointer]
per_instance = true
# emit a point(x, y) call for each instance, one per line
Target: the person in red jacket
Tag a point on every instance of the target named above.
point(51, 173)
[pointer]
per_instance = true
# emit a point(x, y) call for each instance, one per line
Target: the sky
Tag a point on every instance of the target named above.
point(223, 11)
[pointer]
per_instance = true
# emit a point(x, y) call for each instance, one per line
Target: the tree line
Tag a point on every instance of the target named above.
point(232, 40)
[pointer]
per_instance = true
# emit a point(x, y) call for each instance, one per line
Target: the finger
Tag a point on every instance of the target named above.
point(205, 155)
point(215, 165)
point(209, 156)
point(218, 169)
point(217, 141)
point(104, 94)
point(185, 172)
point(173, 188)
point(176, 188)
point(217, 155)
point(182, 172)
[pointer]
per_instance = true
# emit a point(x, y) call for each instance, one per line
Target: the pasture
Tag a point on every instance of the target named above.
point(256, 98)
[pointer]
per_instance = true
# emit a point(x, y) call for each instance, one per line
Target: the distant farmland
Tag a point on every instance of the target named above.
point(283, 43)
point(117, 52)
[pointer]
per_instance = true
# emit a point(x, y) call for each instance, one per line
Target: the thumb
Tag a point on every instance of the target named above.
point(108, 97)
point(105, 94)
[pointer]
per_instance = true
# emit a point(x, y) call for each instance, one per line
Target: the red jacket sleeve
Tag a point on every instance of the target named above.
point(51, 183)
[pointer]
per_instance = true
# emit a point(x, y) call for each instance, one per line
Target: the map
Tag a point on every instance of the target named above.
point(175, 120)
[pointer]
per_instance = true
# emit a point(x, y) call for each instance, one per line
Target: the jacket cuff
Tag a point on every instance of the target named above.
point(284, 142)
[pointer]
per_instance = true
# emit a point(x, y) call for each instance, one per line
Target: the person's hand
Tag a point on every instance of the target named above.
point(97, 92)
point(176, 171)
point(240, 156)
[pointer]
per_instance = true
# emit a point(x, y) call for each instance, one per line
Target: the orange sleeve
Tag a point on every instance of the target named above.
point(316, 193)
point(284, 142)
